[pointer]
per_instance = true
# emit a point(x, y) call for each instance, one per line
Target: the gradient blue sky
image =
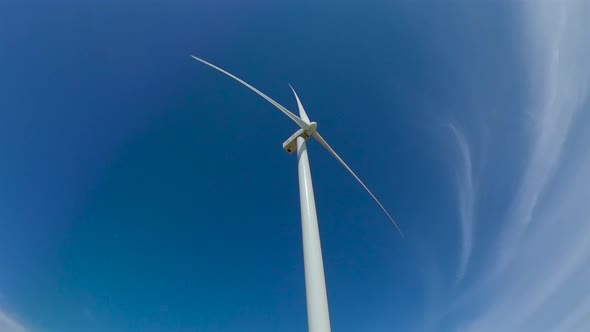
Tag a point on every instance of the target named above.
point(142, 191)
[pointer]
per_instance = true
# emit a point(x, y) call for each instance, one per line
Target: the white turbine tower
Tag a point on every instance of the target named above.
point(318, 317)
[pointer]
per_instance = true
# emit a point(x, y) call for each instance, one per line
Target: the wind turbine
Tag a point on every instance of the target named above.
point(318, 317)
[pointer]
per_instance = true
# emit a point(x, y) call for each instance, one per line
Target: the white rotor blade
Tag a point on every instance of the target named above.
point(303, 124)
point(299, 105)
point(323, 142)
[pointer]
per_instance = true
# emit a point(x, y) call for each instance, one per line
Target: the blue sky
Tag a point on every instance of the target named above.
point(142, 191)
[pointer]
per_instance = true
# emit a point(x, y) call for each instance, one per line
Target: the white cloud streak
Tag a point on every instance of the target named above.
point(466, 201)
point(9, 324)
point(561, 94)
point(539, 269)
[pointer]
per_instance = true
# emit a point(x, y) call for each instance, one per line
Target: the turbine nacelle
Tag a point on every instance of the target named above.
point(290, 144)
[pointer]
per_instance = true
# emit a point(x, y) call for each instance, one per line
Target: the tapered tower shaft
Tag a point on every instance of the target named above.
point(318, 316)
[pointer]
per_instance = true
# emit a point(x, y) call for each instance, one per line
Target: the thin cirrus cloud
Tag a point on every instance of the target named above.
point(538, 269)
point(10, 324)
point(466, 200)
point(556, 27)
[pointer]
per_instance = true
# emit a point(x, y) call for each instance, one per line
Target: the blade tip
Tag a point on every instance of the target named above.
point(196, 58)
point(400, 231)
point(293, 89)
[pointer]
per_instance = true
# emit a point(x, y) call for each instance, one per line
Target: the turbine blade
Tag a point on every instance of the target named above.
point(323, 142)
point(302, 113)
point(303, 124)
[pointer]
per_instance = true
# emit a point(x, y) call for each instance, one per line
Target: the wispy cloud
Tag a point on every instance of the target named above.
point(466, 200)
point(9, 324)
point(539, 267)
point(560, 94)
